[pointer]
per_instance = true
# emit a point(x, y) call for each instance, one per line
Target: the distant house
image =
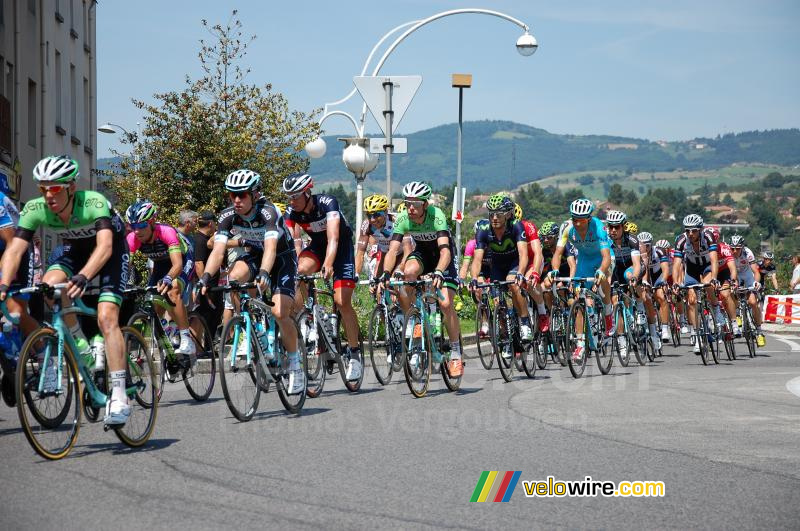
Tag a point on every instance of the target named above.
point(612, 147)
point(699, 146)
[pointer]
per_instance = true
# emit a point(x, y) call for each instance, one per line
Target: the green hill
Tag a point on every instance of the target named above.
point(501, 154)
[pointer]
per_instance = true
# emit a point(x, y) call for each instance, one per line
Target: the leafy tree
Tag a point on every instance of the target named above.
point(796, 207)
point(615, 194)
point(194, 137)
point(773, 180)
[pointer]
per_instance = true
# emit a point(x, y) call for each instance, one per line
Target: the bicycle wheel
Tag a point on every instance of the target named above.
point(727, 336)
point(604, 355)
point(142, 390)
point(711, 334)
point(380, 343)
point(530, 357)
point(239, 377)
point(503, 342)
point(280, 371)
point(558, 331)
point(315, 353)
point(577, 364)
point(750, 332)
point(142, 322)
point(453, 383)
point(417, 354)
point(538, 349)
point(199, 379)
point(48, 401)
point(483, 341)
point(619, 320)
point(344, 359)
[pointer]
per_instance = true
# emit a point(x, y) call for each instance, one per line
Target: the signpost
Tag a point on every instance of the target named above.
point(387, 98)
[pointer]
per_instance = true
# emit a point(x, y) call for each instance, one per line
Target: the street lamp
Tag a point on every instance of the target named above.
point(113, 129)
point(359, 161)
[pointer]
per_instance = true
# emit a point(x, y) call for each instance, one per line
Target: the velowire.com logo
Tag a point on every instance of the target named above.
point(494, 486)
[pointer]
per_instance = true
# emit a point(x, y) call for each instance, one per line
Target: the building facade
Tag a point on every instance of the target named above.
point(47, 90)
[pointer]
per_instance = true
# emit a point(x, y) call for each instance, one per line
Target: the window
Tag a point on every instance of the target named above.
point(31, 113)
point(87, 114)
point(73, 102)
point(59, 92)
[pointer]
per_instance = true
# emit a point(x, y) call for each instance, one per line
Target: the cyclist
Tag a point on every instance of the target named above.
point(595, 256)
point(330, 252)
point(377, 227)
point(766, 266)
point(9, 217)
point(469, 253)
point(533, 275)
point(549, 233)
point(728, 277)
point(94, 238)
point(655, 271)
point(434, 253)
point(750, 277)
point(269, 258)
point(507, 247)
point(628, 268)
point(173, 263)
point(696, 259)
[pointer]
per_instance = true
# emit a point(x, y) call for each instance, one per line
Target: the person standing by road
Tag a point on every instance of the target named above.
point(795, 282)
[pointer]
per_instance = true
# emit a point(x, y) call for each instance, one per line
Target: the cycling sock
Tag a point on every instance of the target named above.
point(77, 332)
point(608, 309)
point(186, 337)
point(455, 350)
point(118, 386)
point(541, 309)
point(653, 330)
point(294, 361)
point(664, 328)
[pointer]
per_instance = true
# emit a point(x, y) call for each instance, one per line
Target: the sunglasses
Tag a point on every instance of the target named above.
point(413, 203)
point(691, 231)
point(376, 215)
point(53, 189)
point(736, 248)
point(494, 215)
point(239, 195)
point(138, 226)
point(615, 226)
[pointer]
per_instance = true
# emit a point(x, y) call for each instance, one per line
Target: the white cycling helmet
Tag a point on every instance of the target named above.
point(663, 244)
point(242, 181)
point(297, 182)
point(60, 169)
point(645, 237)
point(581, 208)
point(693, 221)
point(417, 190)
point(615, 217)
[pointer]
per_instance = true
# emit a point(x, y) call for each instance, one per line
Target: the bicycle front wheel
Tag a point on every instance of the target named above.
point(143, 323)
point(750, 332)
point(483, 341)
point(381, 345)
point(314, 345)
point(417, 354)
point(623, 354)
point(238, 374)
point(503, 343)
point(280, 371)
point(577, 358)
point(344, 359)
point(48, 396)
point(453, 383)
point(199, 377)
point(142, 390)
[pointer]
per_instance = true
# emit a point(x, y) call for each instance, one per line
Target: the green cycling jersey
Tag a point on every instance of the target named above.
point(424, 234)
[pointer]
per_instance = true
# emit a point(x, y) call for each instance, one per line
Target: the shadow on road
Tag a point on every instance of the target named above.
point(346, 392)
point(305, 412)
point(188, 401)
point(117, 448)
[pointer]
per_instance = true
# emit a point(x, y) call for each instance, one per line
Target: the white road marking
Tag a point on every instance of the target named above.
point(788, 340)
point(793, 386)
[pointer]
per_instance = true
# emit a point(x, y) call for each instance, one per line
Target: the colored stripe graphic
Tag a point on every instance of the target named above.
point(477, 492)
point(487, 486)
point(495, 486)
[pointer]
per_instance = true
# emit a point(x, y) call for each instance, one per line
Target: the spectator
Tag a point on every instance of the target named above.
point(187, 223)
point(795, 282)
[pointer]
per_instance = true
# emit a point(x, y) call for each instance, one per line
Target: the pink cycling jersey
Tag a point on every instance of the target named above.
point(165, 241)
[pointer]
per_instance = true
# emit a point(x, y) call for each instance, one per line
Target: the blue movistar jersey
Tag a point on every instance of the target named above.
point(590, 247)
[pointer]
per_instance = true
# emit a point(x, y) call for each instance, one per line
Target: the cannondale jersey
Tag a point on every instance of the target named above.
point(264, 222)
point(696, 257)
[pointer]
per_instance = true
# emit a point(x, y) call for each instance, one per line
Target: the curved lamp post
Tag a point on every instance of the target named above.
point(112, 129)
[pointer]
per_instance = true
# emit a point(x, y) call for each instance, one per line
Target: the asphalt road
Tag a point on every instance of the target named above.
point(725, 440)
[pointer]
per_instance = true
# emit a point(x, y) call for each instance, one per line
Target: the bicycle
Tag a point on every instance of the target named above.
point(483, 342)
point(504, 332)
point(623, 316)
point(385, 337)
point(706, 322)
point(726, 328)
point(246, 367)
point(199, 374)
point(559, 317)
point(423, 346)
point(593, 336)
point(49, 399)
point(748, 321)
point(316, 322)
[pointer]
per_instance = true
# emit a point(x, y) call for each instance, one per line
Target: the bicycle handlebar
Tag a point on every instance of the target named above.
point(139, 290)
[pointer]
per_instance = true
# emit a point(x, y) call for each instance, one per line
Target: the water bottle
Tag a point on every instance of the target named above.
point(7, 344)
point(261, 334)
point(85, 351)
point(334, 323)
point(271, 336)
point(592, 315)
point(437, 323)
point(172, 333)
point(98, 348)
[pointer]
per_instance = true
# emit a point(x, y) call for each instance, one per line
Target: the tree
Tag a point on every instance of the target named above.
point(194, 137)
point(615, 194)
point(773, 180)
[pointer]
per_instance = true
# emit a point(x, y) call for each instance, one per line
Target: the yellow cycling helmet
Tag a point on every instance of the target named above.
point(376, 203)
point(401, 207)
point(517, 212)
point(631, 228)
point(281, 207)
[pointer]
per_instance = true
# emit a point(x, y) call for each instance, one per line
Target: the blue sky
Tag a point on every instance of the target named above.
point(659, 70)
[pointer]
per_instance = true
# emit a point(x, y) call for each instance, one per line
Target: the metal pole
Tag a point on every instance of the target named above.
point(388, 114)
point(359, 208)
point(458, 169)
point(136, 157)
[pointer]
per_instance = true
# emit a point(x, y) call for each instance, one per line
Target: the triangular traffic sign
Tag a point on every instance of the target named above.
point(403, 90)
